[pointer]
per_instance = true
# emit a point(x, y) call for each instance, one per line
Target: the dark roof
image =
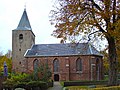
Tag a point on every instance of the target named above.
point(61, 50)
point(24, 23)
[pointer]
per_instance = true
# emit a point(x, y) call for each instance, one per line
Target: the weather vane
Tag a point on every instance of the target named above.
point(25, 5)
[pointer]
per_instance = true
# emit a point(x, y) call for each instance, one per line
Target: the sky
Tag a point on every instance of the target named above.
point(38, 13)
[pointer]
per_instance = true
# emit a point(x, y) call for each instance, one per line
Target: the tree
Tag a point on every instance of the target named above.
point(8, 54)
point(44, 72)
point(1, 53)
point(105, 61)
point(95, 18)
point(8, 62)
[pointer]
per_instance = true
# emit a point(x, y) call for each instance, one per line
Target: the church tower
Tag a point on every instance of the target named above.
point(22, 39)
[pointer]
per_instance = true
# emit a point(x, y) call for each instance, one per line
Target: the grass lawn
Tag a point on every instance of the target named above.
point(76, 88)
point(19, 89)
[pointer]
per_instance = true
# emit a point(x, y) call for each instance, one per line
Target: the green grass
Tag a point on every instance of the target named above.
point(19, 89)
point(76, 88)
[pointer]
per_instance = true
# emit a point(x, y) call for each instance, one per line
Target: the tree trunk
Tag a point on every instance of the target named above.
point(113, 63)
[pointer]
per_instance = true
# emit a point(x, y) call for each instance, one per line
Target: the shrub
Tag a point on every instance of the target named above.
point(18, 77)
point(62, 83)
point(21, 85)
point(25, 85)
point(42, 73)
point(26, 81)
point(14, 80)
point(40, 84)
point(1, 73)
point(50, 84)
point(9, 83)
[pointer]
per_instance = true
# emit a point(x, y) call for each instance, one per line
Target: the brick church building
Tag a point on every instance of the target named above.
point(67, 61)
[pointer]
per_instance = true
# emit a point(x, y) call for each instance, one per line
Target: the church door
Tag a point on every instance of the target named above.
point(56, 77)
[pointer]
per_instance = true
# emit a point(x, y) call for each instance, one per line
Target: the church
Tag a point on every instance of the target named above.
point(68, 61)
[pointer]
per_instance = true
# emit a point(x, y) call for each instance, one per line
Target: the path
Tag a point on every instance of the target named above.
point(56, 86)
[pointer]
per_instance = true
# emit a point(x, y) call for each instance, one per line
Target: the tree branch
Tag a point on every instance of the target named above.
point(90, 35)
point(118, 17)
point(96, 5)
point(114, 9)
point(81, 20)
point(97, 24)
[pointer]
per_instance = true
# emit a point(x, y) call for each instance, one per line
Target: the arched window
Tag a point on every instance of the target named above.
point(78, 64)
point(56, 65)
point(35, 64)
point(21, 36)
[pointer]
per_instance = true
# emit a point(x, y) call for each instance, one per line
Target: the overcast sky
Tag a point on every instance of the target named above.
point(38, 14)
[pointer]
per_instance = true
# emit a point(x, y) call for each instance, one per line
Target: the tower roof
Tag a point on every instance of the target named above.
point(24, 23)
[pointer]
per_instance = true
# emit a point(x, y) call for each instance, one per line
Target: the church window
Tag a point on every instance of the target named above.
point(35, 64)
point(21, 36)
point(79, 64)
point(56, 65)
point(19, 62)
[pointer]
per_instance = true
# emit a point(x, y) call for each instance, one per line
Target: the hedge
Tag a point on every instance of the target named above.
point(84, 83)
point(32, 85)
point(86, 88)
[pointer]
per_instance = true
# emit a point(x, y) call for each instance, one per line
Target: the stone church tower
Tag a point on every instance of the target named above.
point(22, 39)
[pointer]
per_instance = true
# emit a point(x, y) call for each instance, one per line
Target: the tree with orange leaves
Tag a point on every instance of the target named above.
point(95, 18)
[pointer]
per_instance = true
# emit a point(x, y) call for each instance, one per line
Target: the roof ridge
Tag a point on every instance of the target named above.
point(59, 43)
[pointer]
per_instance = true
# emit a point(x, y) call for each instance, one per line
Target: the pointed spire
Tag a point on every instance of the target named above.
point(24, 23)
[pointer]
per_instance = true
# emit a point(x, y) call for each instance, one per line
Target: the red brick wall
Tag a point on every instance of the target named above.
point(68, 67)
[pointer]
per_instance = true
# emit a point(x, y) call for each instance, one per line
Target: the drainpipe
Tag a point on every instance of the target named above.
point(68, 68)
point(91, 67)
